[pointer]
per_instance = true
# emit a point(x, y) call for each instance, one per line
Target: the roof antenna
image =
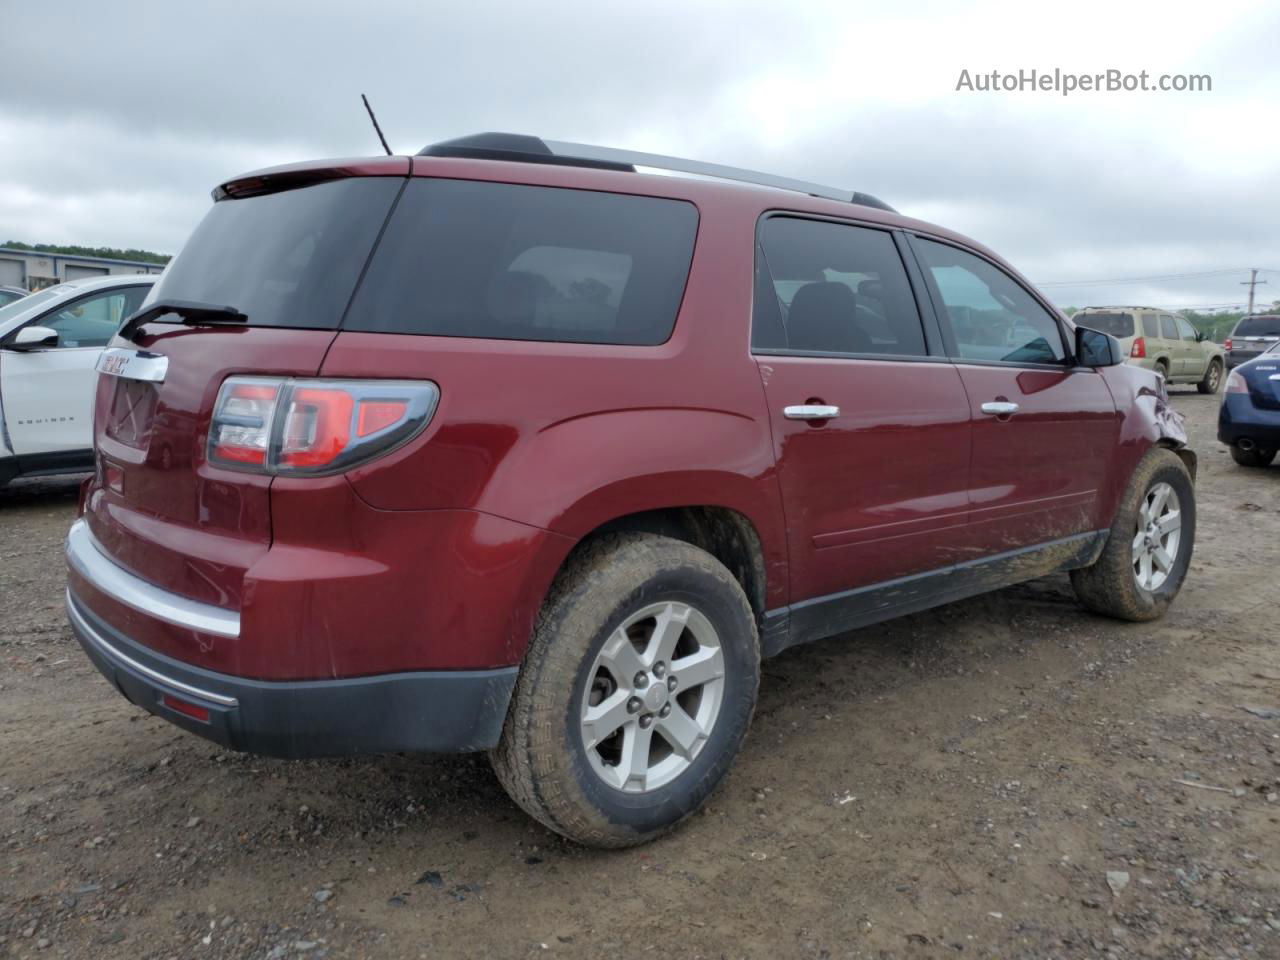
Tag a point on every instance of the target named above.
point(375, 124)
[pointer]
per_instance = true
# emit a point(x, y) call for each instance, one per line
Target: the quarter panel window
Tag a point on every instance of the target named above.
point(992, 316)
point(833, 288)
point(507, 261)
point(1150, 326)
point(1167, 328)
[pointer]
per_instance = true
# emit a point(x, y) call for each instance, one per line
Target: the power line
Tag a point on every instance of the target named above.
point(1252, 282)
point(1159, 279)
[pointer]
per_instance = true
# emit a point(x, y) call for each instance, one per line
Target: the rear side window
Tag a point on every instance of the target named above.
point(833, 288)
point(1150, 325)
point(1168, 329)
point(287, 259)
point(1258, 327)
point(993, 317)
point(505, 261)
point(1117, 324)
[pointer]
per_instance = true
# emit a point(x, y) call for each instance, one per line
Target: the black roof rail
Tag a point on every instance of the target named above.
point(527, 149)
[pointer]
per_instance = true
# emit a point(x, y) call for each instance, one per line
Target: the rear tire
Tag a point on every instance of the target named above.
point(1212, 381)
point(1129, 580)
point(1162, 368)
point(1257, 457)
point(622, 617)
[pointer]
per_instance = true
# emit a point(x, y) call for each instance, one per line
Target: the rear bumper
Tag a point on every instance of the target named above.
point(447, 711)
point(1239, 419)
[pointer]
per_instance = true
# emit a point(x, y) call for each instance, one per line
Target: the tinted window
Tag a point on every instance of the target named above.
point(1150, 325)
point(1187, 331)
point(1267, 326)
point(474, 259)
point(833, 288)
point(992, 316)
point(1117, 324)
point(1167, 328)
point(92, 321)
point(288, 259)
point(8, 296)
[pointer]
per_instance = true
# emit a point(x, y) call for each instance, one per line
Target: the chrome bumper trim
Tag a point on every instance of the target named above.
point(114, 655)
point(84, 554)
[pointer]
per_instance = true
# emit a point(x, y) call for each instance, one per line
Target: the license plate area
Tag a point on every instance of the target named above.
point(133, 409)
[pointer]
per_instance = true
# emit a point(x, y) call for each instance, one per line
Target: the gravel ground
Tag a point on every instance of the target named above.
point(1005, 777)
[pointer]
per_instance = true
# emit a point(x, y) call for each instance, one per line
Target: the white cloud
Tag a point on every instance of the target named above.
point(114, 127)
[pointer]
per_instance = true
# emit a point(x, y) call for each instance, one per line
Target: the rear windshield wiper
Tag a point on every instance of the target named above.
point(192, 312)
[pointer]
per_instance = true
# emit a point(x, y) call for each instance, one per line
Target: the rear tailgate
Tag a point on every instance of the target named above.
point(286, 249)
point(159, 508)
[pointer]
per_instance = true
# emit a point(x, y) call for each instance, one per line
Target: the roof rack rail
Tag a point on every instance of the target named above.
point(527, 149)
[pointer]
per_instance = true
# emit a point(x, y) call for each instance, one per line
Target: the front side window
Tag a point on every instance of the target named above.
point(1168, 329)
point(92, 321)
point(1188, 332)
point(833, 288)
point(505, 261)
point(993, 317)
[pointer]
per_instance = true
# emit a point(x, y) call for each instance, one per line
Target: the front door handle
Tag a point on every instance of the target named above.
point(1000, 408)
point(810, 411)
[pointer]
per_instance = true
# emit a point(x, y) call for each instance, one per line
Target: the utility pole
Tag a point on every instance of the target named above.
point(1252, 282)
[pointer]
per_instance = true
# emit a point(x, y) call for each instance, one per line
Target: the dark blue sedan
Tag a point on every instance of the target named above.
point(1249, 422)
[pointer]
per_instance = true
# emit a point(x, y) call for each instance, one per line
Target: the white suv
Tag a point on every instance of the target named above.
point(49, 347)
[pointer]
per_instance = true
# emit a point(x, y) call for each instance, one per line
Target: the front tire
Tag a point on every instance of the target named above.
point(636, 692)
point(1212, 381)
point(1256, 457)
point(1148, 551)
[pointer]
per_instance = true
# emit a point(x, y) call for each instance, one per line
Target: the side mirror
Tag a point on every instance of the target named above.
point(1200, 337)
point(1097, 349)
point(33, 338)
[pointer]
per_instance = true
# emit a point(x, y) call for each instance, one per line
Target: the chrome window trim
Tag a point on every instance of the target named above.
point(111, 653)
point(88, 559)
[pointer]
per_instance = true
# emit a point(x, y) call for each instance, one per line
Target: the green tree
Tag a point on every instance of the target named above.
point(73, 250)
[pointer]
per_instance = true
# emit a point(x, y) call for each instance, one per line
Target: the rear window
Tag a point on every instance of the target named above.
point(1258, 327)
point(1117, 324)
point(288, 259)
point(505, 261)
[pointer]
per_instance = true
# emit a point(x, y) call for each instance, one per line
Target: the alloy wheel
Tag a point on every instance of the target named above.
point(653, 697)
point(1157, 537)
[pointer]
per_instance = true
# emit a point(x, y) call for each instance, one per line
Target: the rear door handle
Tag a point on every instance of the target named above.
point(1000, 408)
point(810, 411)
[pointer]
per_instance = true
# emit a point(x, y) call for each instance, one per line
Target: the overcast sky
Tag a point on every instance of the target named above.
point(117, 119)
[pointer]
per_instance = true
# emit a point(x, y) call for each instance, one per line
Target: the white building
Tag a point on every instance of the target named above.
point(34, 271)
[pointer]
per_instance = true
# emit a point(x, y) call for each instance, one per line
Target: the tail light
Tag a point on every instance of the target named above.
point(1226, 344)
point(1236, 383)
point(1139, 348)
point(314, 427)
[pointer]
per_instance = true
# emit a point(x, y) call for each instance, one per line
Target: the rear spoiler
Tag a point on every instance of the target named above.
point(294, 175)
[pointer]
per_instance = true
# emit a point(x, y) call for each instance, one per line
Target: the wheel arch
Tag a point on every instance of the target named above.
point(727, 534)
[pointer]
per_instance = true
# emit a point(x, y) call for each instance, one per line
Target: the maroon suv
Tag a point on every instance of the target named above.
point(507, 446)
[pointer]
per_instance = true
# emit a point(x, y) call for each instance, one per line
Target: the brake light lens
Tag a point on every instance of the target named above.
point(1236, 383)
point(1226, 344)
point(243, 415)
point(314, 427)
point(1139, 348)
